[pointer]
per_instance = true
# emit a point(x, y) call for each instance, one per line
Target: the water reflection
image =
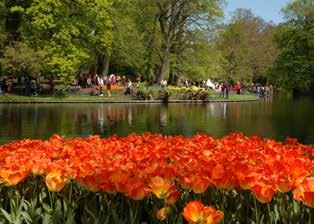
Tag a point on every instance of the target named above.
point(278, 119)
point(218, 110)
point(163, 117)
point(129, 117)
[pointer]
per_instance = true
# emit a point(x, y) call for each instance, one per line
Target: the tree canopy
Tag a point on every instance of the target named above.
point(158, 39)
point(294, 67)
point(247, 46)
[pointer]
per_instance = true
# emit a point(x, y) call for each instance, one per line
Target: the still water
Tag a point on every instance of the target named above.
point(274, 118)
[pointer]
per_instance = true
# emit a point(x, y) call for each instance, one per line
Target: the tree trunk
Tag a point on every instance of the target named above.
point(148, 69)
point(52, 86)
point(164, 63)
point(106, 64)
point(150, 48)
point(179, 79)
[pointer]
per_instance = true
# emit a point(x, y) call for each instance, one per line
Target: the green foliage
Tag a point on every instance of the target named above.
point(32, 203)
point(178, 22)
point(150, 93)
point(22, 60)
point(201, 60)
point(189, 93)
point(158, 39)
point(71, 32)
point(247, 47)
point(294, 67)
point(171, 92)
point(3, 34)
point(128, 43)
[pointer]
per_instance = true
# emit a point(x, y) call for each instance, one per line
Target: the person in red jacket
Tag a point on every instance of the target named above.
point(238, 87)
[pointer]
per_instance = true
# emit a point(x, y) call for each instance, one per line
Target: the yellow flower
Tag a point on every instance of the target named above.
point(55, 181)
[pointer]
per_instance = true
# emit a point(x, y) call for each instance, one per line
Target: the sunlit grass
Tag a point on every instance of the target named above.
point(234, 97)
point(117, 96)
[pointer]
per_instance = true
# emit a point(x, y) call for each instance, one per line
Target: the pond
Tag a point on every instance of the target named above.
point(274, 118)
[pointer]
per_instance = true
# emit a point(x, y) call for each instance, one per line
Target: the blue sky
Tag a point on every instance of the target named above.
point(269, 10)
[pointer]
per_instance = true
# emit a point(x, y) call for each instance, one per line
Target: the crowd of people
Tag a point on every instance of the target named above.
point(224, 88)
point(10, 85)
point(238, 88)
point(262, 91)
point(99, 83)
point(96, 84)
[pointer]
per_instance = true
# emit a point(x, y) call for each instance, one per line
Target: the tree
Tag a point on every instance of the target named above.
point(201, 59)
point(71, 32)
point(294, 67)
point(128, 43)
point(3, 34)
point(247, 46)
point(177, 18)
point(21, 60)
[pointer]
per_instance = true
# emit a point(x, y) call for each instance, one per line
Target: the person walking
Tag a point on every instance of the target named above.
point(89, 82)
point(113, 79)
point(100, 85)
point(108, 85)
point(222, 90)
point(227, 90)
point(128, 90)
point(238, 88)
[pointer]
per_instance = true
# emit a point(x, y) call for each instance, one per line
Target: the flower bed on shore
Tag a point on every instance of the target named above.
point(152, 178)
point(171, 92)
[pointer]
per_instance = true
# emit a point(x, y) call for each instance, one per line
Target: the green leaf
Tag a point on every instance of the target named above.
point(17, 9)
point(38, 211)
point(6, 215)
point(27, 217)
point(47, 219)
point(47, 208)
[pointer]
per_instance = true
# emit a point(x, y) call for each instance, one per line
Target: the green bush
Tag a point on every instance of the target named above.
point(176, 93)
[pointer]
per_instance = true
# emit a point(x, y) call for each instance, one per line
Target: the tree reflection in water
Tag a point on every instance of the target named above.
point(274, 119)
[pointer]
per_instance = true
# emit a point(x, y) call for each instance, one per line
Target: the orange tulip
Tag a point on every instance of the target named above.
point(90, 183)
point(248, 180)
point(173, 196)
point(12, 178)
point(136, 189)
point(39, 166)
point(160, 187)
point(55, 181)
point(162, 213)
point(193, 212)
point(284, 185)
point(196, 213)
point(263, 194)
point(139, 165)
point(214, 216)
point(305, 192)
point(199, 185)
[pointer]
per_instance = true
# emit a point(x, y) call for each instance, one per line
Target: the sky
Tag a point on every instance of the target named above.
point(269, 10)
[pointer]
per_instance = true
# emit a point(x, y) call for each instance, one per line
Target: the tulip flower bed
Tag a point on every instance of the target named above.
point(152, 178)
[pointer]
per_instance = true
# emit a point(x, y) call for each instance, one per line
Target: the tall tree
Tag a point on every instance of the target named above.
point(71, 32)
point(19, 60)
point(128, 42)
point(3, 34)
point(247, 46)
point(294, 68)
point(200, 60)
point(176, 20)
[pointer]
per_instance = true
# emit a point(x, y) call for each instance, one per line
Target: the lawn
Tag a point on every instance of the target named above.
point(116, 97)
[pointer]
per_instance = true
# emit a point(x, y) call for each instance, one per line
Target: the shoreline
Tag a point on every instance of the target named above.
point(15, 99)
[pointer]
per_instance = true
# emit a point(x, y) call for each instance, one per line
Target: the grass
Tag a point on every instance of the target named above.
point(116, 97)
point(235, 97)
point(69, 98)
